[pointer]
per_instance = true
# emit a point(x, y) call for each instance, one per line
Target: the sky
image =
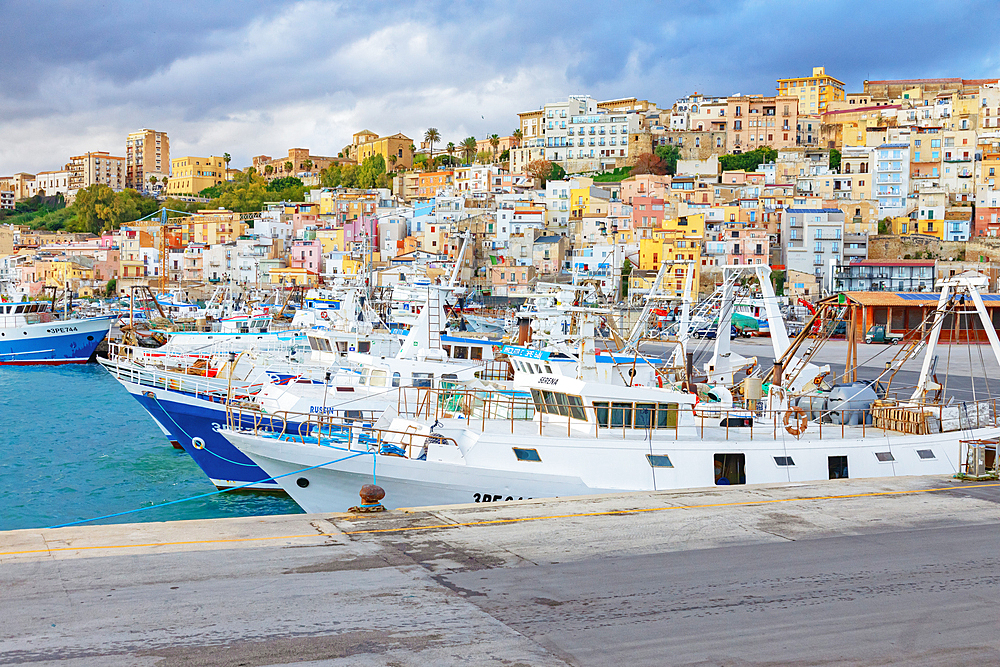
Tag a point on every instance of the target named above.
point(248, 77)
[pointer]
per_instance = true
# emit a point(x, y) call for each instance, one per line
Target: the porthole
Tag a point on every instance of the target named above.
point(90, 338)
point(302, 482)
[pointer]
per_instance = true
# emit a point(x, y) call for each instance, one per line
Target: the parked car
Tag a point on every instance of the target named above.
point(709, 332)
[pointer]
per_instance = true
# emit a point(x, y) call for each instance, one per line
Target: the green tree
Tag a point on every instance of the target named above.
point(748, 161)
point(778, 282)
point(469, 149)
point(279, 184)
point(349, 176)
point(111, 288)
point(268, 170)
point(834, 159)
point(289, 166)
point(482, 157)
point(330, 177)
point(626, 272)
point(432, 136)
point(505, 156)
point(100, 209)
point(371, 168)
point(557, 173)
point(495, 143)
point(669, 155)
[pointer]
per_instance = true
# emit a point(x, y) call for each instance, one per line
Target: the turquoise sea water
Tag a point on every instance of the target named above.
point(74, 445)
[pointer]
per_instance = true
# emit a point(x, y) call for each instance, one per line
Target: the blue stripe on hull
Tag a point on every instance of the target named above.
point(43, 347)
point(218, 459)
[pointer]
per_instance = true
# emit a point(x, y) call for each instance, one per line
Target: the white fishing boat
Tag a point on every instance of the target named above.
point(580, 436)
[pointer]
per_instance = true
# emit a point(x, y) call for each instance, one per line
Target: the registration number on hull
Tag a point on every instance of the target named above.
point(493, 497)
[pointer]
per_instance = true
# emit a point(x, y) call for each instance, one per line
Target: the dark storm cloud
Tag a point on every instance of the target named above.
point(250, 77)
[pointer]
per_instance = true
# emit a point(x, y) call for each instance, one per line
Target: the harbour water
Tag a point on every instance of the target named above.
point(74, 445)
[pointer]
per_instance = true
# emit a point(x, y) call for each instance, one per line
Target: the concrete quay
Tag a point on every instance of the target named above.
point(898, 571)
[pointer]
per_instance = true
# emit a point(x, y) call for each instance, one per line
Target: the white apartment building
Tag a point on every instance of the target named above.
point(53, 182)
point(813, 240)
point(891, 178)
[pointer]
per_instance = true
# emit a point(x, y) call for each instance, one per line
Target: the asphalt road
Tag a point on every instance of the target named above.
point(899, 571)
point(909, 598)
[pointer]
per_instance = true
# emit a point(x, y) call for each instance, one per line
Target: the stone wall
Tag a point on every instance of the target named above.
point(887, 246)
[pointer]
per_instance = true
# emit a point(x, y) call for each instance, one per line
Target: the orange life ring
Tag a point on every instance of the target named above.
point(325, 315)
point(801, 421)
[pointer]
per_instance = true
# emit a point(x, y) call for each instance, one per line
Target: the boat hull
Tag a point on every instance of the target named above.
point(50, 343)
point(316, 478)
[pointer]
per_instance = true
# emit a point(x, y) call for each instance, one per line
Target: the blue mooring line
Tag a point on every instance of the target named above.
point(205, 495)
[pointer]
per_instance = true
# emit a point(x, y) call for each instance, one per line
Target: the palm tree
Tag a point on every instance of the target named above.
point(495, 143)
point(309, 165)
point(430, 136)
point(288, 166)
point(227, 157)
point(392, 161)
point(450, 148)
point(518, 135)
point(469, 149)
point(268, 169)
point(152, 180)
point(164, 181)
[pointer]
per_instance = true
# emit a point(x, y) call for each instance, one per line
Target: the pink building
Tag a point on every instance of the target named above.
point(745, 244)
point(354, 231)
point(647, 215)
point(106, 263)
point(645, 185)
point(306, 255)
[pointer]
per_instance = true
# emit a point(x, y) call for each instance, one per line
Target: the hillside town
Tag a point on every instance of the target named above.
point(887, 189)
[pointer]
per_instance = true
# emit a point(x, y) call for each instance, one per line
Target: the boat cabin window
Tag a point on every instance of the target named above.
point(558, 403)
point(423, 379)
point(730, 469)
point(460, 352)
point(18, 309)
point(342, 346)
point(395, 379)
point(326, 345)
point(378, 378)
point(659, 461)
point(364, 347)
point(637, 415)
point(314, 343)
point(476, 353)
point(548, 369)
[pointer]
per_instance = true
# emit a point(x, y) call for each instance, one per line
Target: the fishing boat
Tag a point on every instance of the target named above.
point(31, 333)
point(577, 435)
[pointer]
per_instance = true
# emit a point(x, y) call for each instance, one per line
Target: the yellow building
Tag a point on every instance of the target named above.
point(909, 227)
point(679, 240)
point(293, 276)
point(814, 92)
point(190, 175)
point(394, 149)
point(71, 271)
point(669, 246)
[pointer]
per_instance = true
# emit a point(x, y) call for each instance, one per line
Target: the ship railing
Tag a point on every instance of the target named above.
point(348, 430)
point(477, 407)
point(199, 386)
